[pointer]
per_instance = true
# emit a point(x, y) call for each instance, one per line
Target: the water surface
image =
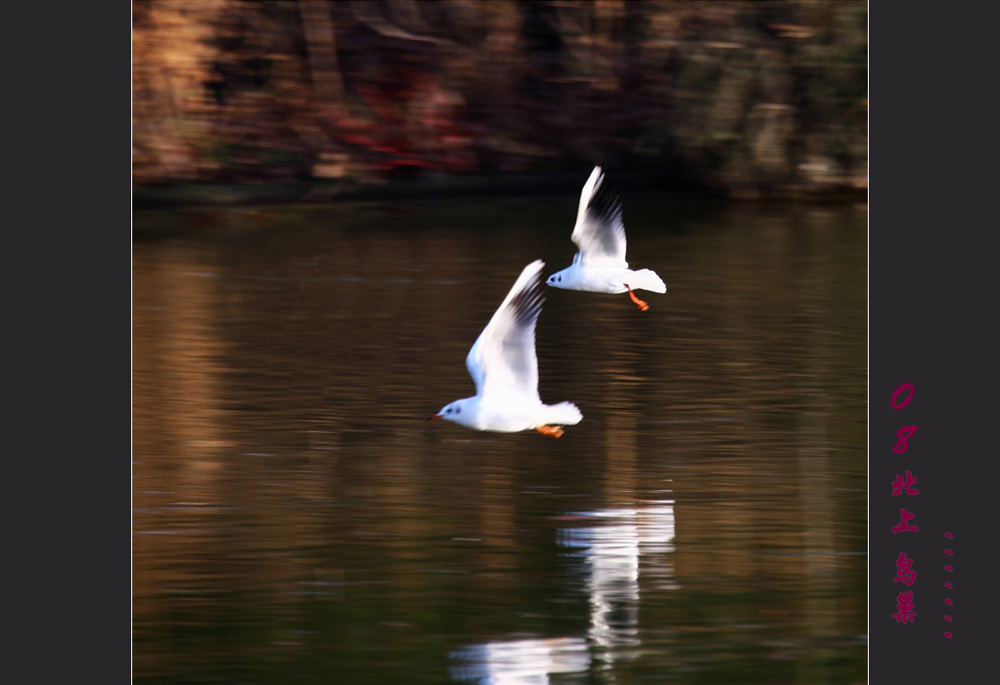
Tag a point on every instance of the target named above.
point(297, 519)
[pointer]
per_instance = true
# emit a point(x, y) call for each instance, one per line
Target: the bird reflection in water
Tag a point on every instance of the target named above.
point(613, 550)
point(520, 661)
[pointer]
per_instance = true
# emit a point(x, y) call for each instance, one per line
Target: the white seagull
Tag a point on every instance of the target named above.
point(503, 364)
point(600, 264)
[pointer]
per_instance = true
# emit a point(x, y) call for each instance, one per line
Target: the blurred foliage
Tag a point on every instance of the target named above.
point(744, 97)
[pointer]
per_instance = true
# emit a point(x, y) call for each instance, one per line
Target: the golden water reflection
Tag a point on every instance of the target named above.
point(291, 502)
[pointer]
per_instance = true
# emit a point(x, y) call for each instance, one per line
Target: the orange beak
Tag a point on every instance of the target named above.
point(436, 416)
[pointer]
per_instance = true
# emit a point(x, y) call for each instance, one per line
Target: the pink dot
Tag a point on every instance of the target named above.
point(947, 618)
point(948, 585)
point(948, 552)
point(947, 568)
point(949, 536)
point(948, 602)
point(947, 634)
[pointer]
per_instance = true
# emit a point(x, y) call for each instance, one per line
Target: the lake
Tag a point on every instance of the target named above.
point(296, 518)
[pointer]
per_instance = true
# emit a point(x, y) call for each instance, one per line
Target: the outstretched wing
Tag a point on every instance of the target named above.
point(599, 232)
point(503, 360)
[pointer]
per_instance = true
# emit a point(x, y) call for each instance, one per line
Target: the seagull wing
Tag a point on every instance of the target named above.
point(599, 232)
point(503, 360)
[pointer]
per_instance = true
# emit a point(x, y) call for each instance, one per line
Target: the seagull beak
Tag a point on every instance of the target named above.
point(436, 416)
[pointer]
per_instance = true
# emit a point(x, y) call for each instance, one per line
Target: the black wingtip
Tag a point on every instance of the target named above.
point(527, 303)
point(605, 202)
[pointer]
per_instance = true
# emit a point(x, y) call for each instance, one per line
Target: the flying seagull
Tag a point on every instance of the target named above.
point(504, 366)
point(599, 266)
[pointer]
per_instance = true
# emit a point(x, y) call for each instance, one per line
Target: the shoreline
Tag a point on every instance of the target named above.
point(440, 187)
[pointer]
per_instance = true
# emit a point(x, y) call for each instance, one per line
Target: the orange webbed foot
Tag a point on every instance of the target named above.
point(553, 431)
point(639, 303)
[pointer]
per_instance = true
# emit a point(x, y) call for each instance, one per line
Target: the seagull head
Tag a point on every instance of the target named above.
point(559, 279)
point(459, 411)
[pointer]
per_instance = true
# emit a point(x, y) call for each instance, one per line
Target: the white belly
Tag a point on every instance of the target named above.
point(508, 418)
point(599, 279)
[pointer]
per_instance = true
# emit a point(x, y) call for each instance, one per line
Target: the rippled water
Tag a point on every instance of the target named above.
point(297, 519)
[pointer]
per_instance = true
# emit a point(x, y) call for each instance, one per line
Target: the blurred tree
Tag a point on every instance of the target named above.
point(744, 97)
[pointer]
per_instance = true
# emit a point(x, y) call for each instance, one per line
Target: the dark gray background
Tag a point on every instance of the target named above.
point(933, 287)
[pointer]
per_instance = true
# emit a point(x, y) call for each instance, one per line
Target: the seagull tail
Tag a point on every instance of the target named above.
point(562, 414)
point(645, 279)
